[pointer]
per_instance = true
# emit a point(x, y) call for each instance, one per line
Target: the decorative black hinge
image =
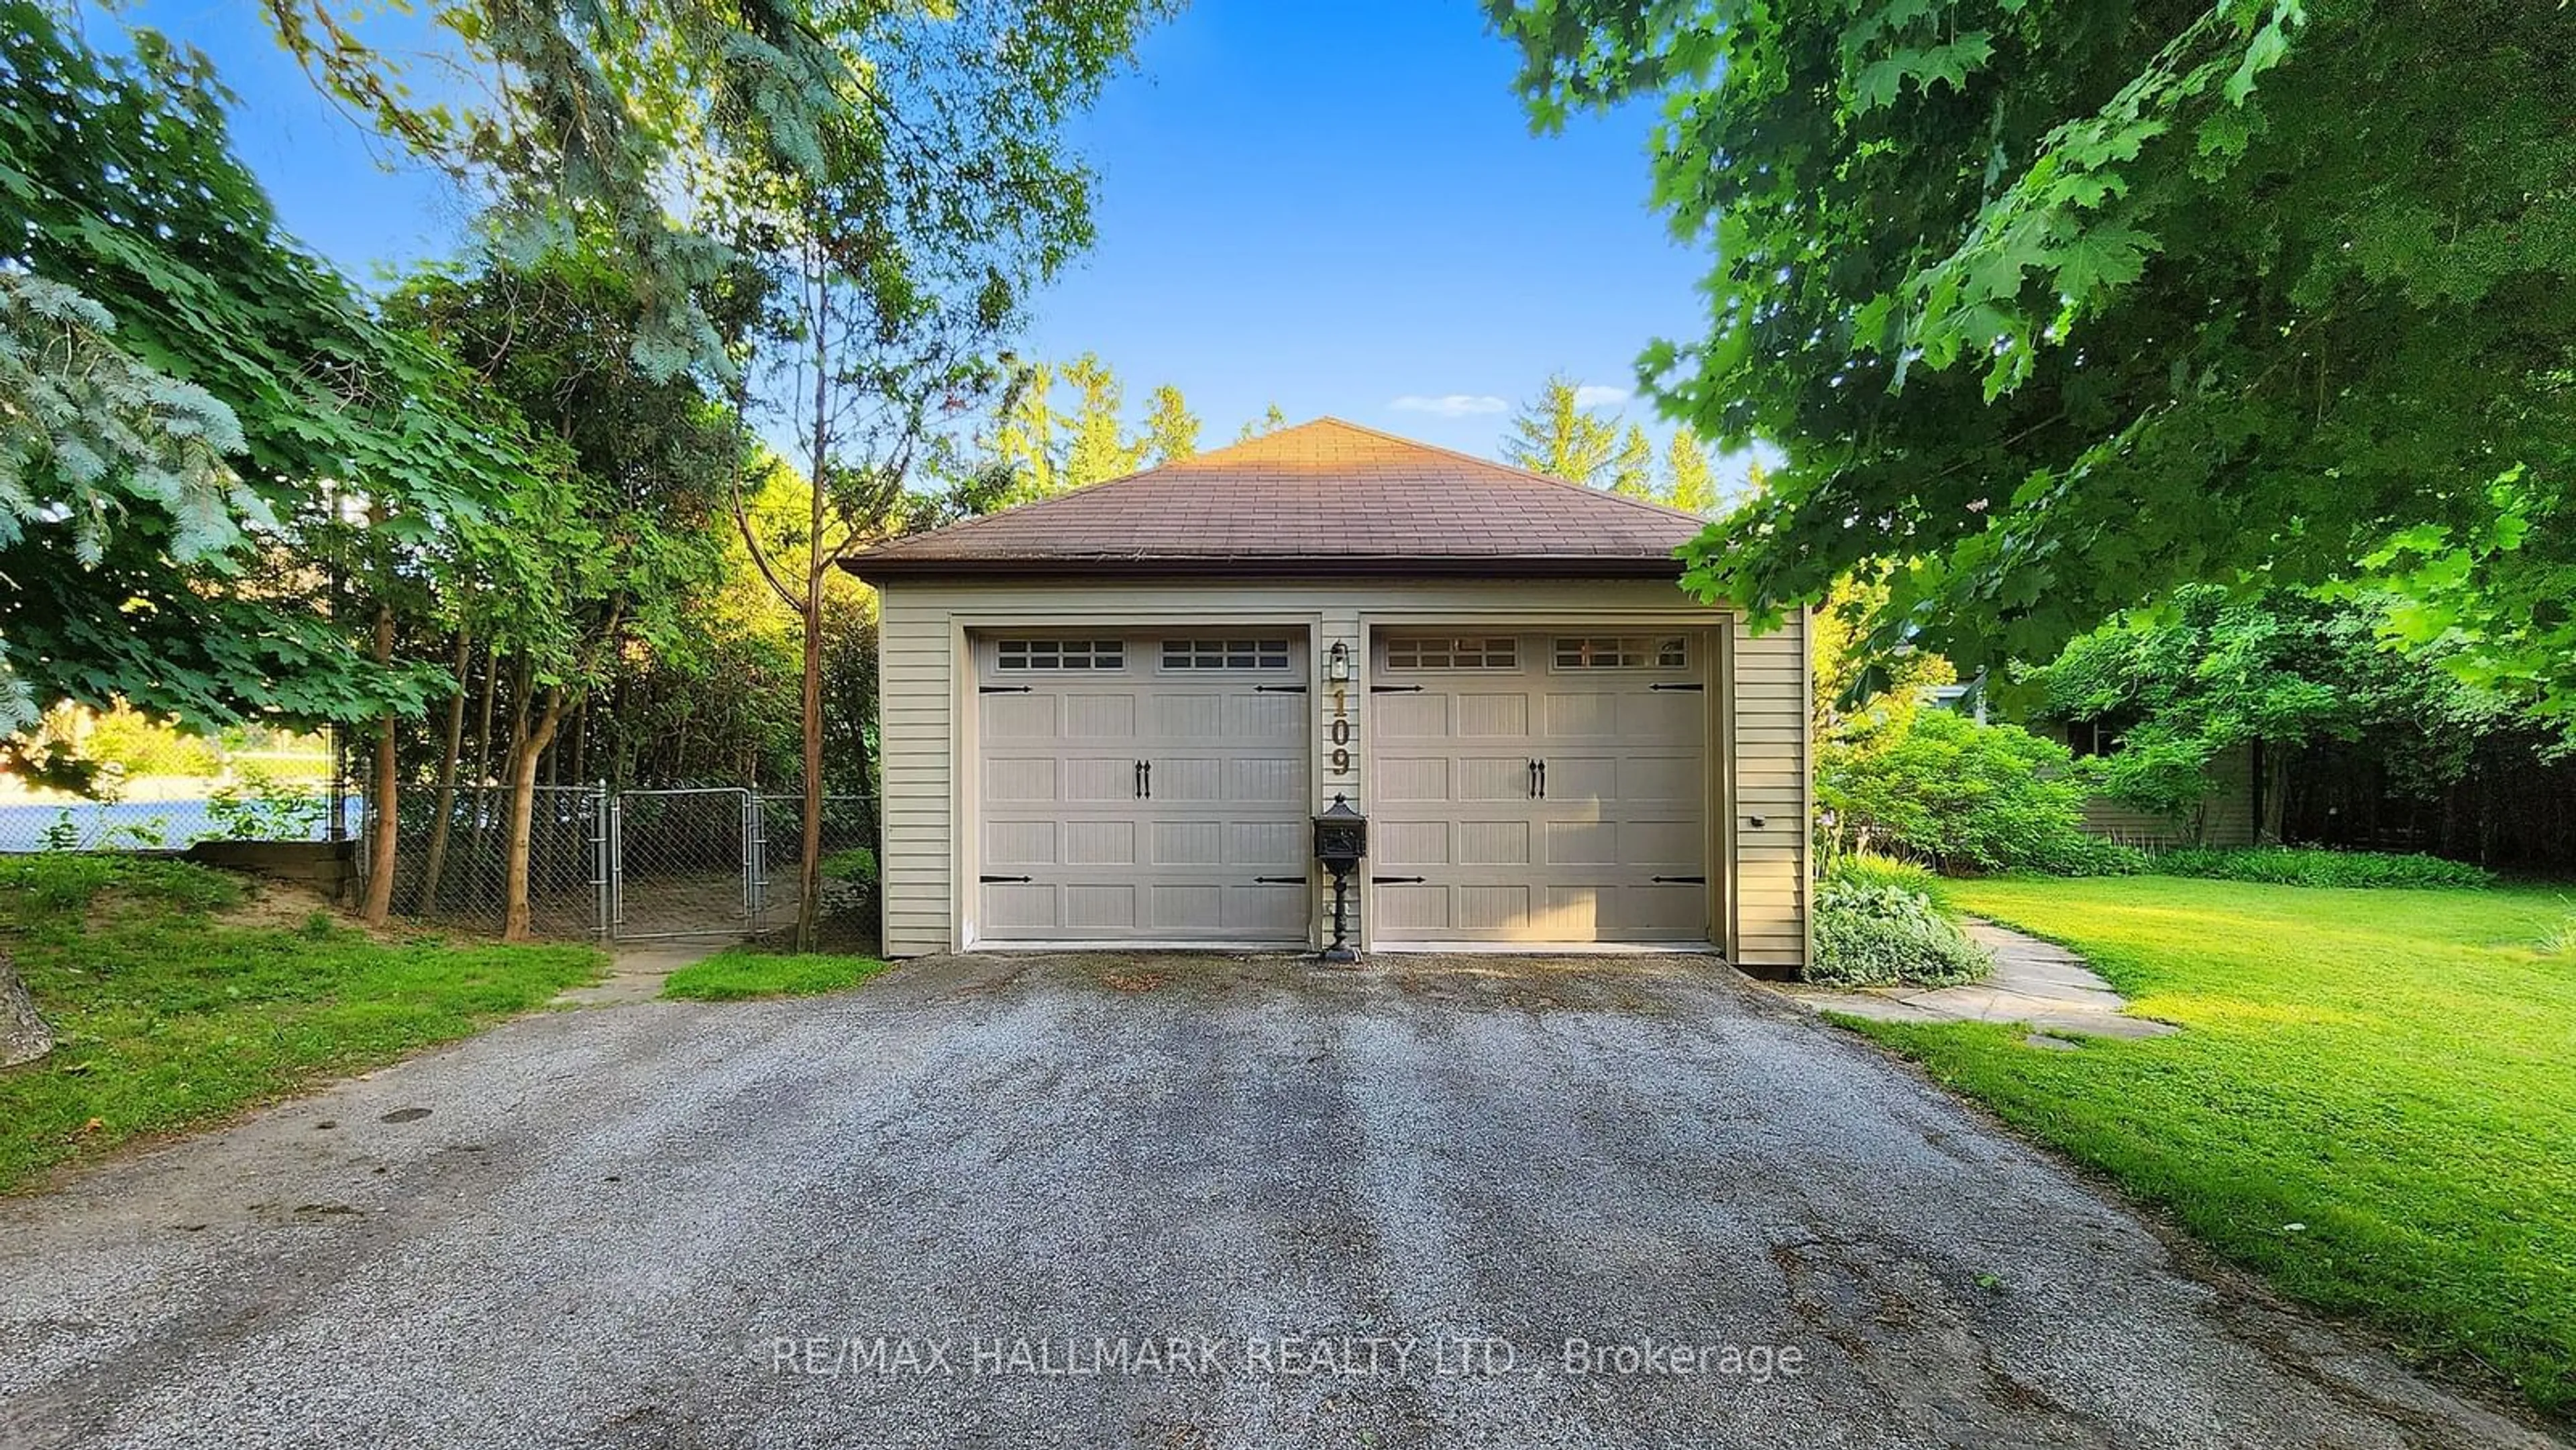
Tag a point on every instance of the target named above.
point(989, 880)
point(1279, 689)
point(1681, 881)
point(1002, 689)
point(1669, 686)
point(1395, 689)
point(1278, 880)
point(1397, 880)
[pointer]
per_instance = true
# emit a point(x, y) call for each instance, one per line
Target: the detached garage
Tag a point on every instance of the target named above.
point(1109, 716)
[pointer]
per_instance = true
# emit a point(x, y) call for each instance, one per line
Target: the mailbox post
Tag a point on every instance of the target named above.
point(1341, 839)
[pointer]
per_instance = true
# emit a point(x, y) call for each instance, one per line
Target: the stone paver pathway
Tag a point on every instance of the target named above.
point(2034, 981)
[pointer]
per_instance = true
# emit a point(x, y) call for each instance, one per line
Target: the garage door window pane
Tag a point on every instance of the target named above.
point(1622, 652)
point(1061, 654)
point(1453, 652)
point(1225, 654)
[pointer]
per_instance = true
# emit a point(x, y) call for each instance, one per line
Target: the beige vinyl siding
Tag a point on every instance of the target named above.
point(1770, 744)
point(928, 688)
point(2227, 819)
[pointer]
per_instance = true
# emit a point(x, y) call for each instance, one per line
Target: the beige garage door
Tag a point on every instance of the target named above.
point(1143, 787)
point(1536, 787)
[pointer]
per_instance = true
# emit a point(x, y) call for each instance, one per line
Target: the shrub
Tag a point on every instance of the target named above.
point(858, 863)
point(1961, 795)
point(258, 806)
point(2312, 866)
point(2086, 855)
point(1867, 868)
point(1878, 934)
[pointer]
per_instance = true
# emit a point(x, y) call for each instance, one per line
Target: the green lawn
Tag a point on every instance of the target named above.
point(742, 972)
point(167, 1016)
point(2373, 1100)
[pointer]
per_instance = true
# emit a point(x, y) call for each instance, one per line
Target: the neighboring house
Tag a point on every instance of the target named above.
point(1108, 716)
point(2226, 815)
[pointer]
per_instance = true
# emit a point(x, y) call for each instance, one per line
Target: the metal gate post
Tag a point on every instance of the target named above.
point(755, 844)
point(616, 863)
point(601, 867)
point(750, 868)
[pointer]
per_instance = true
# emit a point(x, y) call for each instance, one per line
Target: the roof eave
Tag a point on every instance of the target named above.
point(878, 570)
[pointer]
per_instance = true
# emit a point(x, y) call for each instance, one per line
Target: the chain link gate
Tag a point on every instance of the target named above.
point(683, 862)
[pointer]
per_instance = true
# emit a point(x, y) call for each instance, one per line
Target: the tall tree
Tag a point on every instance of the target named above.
point(1025, 436)
point(1632, 468)
point(1097, 447)
point(1556, 435)
point(1171, 429)
point(896, 243)
point(1689, 483)
point(634, 536)
point(2053, 306)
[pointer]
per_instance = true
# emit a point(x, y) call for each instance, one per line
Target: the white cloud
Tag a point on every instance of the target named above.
point(1451, 405)
point(1599, 395)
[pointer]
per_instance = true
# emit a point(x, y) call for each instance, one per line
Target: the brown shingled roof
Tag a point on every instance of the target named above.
point(1326, 497)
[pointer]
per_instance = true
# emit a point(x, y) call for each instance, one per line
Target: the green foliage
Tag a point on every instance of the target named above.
point(1050, 447)
point(742, 973)
point(1963, 796)
point(2386, 1070)
point(1879, 933)
point(2055, 306)
point(1689, 483)
point(168, 1017)
point(258, 806)
point(2309, 866)
point(602, 115)
point(1867, 868)
point(1270, 421)
point(1632, 468)
point(858, 864)
point(2208, 672)
point(1556, 435)
point(627, 539)
point(171, 506)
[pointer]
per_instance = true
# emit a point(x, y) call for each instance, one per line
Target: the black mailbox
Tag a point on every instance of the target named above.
point(1341, 839)
point(1341, 836)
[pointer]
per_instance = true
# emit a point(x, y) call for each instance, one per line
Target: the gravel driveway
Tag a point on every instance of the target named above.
point(980, 1200)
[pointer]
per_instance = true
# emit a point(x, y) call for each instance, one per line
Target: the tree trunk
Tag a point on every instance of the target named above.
point(435, 860)
point(24, 1037)
point(525, 753)
point(809, 871)
point(380, 844)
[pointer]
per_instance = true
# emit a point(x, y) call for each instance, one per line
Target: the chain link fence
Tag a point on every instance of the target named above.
point(451, 850)
point(632, 865)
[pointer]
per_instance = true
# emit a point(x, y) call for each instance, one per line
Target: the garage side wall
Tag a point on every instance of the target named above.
point(916, 694)
point(1772, 800)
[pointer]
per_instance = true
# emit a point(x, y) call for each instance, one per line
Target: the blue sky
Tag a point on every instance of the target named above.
point(1330, 204)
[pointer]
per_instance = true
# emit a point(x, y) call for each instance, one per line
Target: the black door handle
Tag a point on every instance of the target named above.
point(1149, 779)
point(1533, 779)
point(1136, 778)
point(1542, 780)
